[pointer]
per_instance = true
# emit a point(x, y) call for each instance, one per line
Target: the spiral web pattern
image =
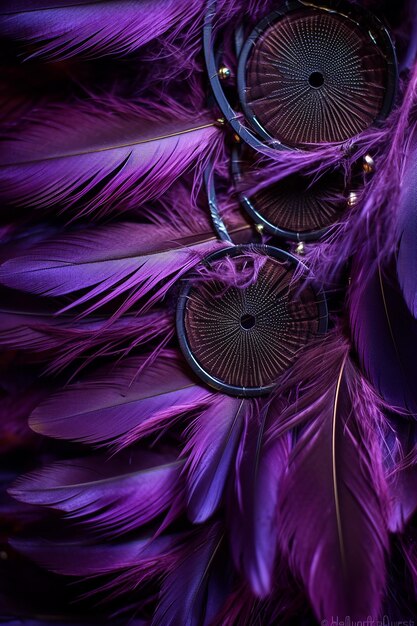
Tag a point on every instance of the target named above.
point(247, 336)
point(315, 78)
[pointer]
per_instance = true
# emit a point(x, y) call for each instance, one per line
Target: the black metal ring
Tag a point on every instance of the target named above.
point(256, 136)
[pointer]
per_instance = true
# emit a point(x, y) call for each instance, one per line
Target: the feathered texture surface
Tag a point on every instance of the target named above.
point(107, 262)
point(208, 343)
point(407, 226)
point(210, 450)
point(121, 404)
point(102, 155)
point(111, 495)
point(259, 470)
point(331, 507)
point(199, 579)
point(57, 29)
point(384, 332)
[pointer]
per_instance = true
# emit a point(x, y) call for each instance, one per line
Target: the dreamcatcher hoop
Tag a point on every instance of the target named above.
point(186, 296)
point(255, 134)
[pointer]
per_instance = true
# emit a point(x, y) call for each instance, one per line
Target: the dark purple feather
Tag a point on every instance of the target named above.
point(15, 408)
point(384, 333)
point(61, 339)
point(100, 156)
point(84, 559)
point(252, 511)
point(111, 496)
point(407, 225)
point(58, 29)
point(332, 509)
point(107, 262)
point(410, 24)
point(210, 450)
point(194, 590)
point(401, 470)
point(117, 406)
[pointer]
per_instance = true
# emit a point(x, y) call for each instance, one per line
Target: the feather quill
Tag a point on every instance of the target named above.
point(110, 496)
point(117, 406)
point(100, 156)
point(331, 508)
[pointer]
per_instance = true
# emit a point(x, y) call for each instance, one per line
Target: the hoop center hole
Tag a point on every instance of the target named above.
point(247, 321)
point(316, 80)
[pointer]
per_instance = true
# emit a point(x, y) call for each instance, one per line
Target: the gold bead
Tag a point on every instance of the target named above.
point(353, 198)
point(224, 72)
point(220, 120)
point(259, 228)
point(300, 248)
point(236, 138)
point(368, 164)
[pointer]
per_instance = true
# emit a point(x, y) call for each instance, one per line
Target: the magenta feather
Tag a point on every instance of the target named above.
point(193, 592)
point(101, 156)
point(117, 406)
point(108, 262)
point(111, 496)
point(213, 439)
point(57, 29)
point(332, 520)
point(253, 515)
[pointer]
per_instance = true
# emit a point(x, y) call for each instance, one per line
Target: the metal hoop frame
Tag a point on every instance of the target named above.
point(212, 381)
point(258, 218)
point(257, 137)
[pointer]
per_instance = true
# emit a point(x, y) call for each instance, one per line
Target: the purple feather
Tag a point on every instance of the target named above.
point(401, 470)
point(252, 511)
point(103, 155)
point(111, 496)
point(332, 522)
point(38, 331)
point(194, 591)
point(83, 559)
point(108, 262)
point(56, 29)
point(210, 450)
point(118, 406)
point(385, 334)
point(407, 225)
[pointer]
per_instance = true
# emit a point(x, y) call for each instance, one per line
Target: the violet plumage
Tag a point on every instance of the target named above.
point(208, 319)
